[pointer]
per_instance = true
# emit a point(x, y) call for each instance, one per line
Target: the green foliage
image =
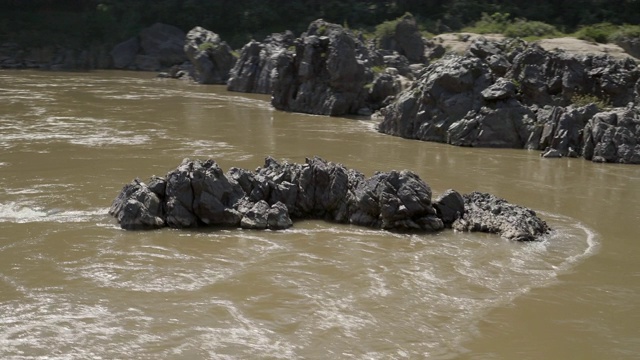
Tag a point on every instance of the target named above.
point(597, 32)
point(586, 99)
point(607, 32)
point(626, 31)
point(387, 29)
point(500, 23)
point(490, 24)
point(206, 46)
point(378, 69)
point(526, 29)
point(84, 22)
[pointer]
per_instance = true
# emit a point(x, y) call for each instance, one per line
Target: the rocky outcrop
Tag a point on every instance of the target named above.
point(517, 95)
point(155, 47)
point(613, 136)
point(325, 76)
point(211, 57)
point(405, 39)
point(558, 78)
point(488, 213)
point(198, 193)
point(254, 70)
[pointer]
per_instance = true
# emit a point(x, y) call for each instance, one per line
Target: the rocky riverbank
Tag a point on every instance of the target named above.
point(483, 92)
point(199, 193)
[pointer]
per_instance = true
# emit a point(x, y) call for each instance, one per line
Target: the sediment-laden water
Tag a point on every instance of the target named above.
point(75, 286)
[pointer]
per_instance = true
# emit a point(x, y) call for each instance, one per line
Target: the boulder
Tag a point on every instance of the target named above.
point(124, 53)
point(326, 75)
point(405, 39)
point(445, 93)
point(254, 69)
point(211, 57)
point(164, 43)
point(558, 78)
point(488, 213)
point(137, 207)
point(613, 136)
point(256, 217)
point(449, 206)
point(278, 217)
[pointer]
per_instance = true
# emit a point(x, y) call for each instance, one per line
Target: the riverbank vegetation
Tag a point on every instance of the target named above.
point(86, 22)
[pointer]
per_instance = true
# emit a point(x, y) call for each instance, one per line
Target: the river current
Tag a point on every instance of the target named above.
point(73, 285)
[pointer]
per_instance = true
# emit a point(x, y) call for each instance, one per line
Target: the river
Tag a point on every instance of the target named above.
point(73, 285)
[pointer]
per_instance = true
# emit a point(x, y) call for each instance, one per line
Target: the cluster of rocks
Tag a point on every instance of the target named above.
point(515, 94)
point(199, 193)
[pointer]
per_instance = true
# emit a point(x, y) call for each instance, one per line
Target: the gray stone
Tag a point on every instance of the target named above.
point(198, 193)
point(324, 76)
point(449, 206)
point(211, 57)
point(488, 213)
point(124, 53)
point(253, 72)
point(163, 42)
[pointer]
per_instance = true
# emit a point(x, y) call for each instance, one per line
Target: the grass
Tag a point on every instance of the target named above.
point(586, 99)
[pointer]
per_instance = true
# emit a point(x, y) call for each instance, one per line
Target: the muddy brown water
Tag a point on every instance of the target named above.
point(75, 286)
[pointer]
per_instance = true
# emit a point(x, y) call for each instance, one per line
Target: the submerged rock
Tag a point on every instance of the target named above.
point(198, 193)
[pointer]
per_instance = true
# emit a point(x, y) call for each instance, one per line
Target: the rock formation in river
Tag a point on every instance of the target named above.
point(517, 95)
point(325, 76)
point(198, 193)
point(211, 57)
point(255, 68)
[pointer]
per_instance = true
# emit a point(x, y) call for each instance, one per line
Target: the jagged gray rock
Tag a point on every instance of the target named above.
point(515, 94)
point(405, 39)
point(613, 136)
point(211, 57)
point(325, 76)
point(488, 213)
point(253, 71)
point(450, 206)
point(198, 193)
point(138, 207)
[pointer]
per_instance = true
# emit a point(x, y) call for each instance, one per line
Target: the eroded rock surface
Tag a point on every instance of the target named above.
point(488, 213)
point(515, 94)
point(211, 57)
point(198, 193)
point(325, 76)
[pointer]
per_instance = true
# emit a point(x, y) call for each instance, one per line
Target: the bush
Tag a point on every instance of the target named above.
point(499, 23)
point(490, 24)
point(625, 31)
point(526, 29)
point(388, 28)
point(597, 32)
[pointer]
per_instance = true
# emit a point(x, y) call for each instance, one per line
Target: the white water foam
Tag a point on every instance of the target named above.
point(25, 213)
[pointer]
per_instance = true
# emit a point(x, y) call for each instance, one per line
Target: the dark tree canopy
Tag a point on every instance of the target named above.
point(239, 20)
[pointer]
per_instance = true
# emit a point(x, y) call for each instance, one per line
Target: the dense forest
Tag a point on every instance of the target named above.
point(81, 22)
